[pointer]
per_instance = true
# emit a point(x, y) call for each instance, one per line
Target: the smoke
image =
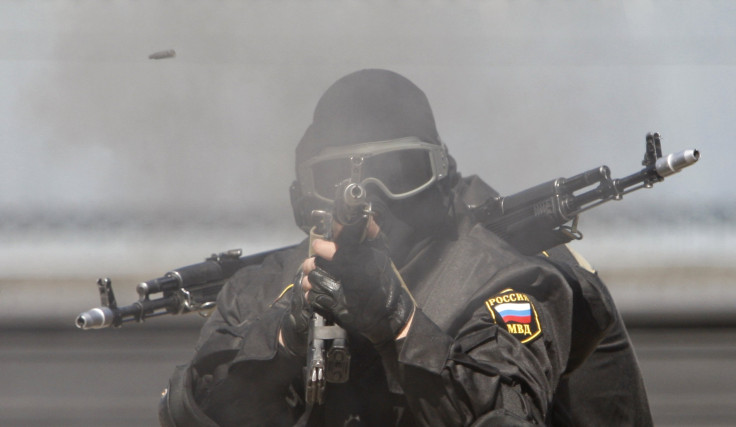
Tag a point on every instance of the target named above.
point(522, 92)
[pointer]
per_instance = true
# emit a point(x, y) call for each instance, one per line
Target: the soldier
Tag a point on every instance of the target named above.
point(447, 323)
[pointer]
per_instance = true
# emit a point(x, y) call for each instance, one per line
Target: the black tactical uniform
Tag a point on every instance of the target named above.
point(497, 338)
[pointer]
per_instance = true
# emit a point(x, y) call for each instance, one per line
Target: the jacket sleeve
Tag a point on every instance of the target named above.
point(227, 382)
point(493, 371)
point(606, 387)
point(229, 387)
point(253, 388)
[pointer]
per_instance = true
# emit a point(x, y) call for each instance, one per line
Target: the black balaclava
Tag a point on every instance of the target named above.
point(380, 105)
point(366, 106)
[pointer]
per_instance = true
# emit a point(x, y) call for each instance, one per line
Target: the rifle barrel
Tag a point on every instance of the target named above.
point(104, 317)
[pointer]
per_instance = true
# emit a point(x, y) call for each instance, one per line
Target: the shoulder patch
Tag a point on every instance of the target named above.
point(516, 312)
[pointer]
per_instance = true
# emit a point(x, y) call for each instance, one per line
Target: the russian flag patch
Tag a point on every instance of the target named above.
point(516, 312)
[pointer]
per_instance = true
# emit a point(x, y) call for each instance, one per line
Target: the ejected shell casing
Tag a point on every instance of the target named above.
point(163, 54)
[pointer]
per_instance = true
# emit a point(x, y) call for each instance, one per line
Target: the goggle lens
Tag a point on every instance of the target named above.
point(399, 171)
point(328, 174)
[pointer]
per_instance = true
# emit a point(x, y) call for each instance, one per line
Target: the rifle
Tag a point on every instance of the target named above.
point(328, 354)
point(536, 219)
point(192, 288)
point(532, 220)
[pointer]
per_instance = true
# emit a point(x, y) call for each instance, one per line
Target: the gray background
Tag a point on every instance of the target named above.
point(117, 165)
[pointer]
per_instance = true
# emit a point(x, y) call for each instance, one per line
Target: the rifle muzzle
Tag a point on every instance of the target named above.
point(675, 162)
point(96, 318)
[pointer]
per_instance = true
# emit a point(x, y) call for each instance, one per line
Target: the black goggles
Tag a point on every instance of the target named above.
point(400, 168)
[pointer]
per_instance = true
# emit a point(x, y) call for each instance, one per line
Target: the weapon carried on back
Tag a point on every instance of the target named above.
point(536, 219)
point(532, 220)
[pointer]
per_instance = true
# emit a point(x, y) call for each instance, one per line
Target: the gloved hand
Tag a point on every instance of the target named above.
point(295, 327)
point(360, 289)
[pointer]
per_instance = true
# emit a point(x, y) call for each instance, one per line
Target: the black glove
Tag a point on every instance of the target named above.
point(362, 292)
point(295, 327)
